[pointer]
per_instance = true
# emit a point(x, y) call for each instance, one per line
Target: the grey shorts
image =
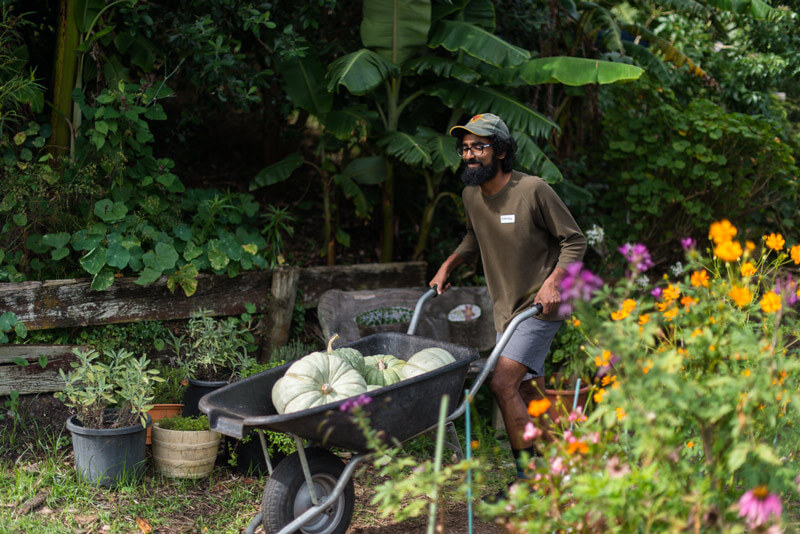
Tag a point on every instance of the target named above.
point(530, 343)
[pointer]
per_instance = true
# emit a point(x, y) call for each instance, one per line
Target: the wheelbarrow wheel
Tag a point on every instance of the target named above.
point(286, 494)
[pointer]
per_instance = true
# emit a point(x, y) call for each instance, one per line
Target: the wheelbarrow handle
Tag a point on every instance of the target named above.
point(536, 309)
point(431, 293)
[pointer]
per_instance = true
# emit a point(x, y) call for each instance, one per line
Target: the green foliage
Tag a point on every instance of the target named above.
point(117, 381)
point(675, 168)
point(697, 405)
point(19, 89)
point(10, 324)
point(254, 367)
point(170, 389)
point(567, 357)
point(179, 422)
point(213, 349)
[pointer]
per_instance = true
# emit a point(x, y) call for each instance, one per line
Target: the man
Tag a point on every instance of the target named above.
point(526, 238)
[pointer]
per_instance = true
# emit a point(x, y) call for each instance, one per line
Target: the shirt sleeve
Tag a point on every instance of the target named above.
point(468, 248)
point(553, 214)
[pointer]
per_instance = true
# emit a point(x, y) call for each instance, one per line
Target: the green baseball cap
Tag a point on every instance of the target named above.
point(485, 125)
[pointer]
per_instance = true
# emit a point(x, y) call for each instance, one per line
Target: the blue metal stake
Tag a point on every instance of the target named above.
point(469, 470)
point(575, 399)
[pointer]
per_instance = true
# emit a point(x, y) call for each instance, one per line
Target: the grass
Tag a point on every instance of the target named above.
point(40, 492)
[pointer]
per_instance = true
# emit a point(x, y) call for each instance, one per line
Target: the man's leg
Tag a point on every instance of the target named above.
point(533, 389)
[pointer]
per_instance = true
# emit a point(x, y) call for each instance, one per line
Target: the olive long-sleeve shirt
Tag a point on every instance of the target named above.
point(523, 232)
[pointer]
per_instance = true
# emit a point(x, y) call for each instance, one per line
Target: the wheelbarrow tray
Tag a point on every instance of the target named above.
point(401, 411)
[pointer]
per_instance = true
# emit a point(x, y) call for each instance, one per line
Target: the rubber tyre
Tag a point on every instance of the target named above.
point(286, 495)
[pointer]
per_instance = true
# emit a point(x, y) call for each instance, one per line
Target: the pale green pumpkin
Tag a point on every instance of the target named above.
point(351, 356)
point(425, 361)
point(382, 369)
point(316, 379)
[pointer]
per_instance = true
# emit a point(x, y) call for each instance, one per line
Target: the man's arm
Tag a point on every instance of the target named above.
point(549, 295)
point(449, 265)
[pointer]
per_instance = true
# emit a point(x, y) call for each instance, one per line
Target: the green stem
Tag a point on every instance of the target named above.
point(437, 463)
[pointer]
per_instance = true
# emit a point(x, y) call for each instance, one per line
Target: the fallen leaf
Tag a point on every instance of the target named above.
point(45, 510)
point(144, 525)
point(86, 520)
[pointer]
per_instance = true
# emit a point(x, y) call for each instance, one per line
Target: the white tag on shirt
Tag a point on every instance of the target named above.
point(506, 219)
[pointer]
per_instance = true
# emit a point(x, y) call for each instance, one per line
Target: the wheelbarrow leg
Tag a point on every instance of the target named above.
point(452, 442)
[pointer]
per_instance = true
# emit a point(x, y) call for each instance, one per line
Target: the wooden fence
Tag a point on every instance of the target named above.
point(71, 303)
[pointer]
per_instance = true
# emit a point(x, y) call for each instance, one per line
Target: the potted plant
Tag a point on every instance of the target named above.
point(212, 353)
point(111, 395)
point(167, 394)
point(184, 447)
point(567, 365)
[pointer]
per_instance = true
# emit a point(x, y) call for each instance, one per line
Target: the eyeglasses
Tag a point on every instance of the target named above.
point(477, 150)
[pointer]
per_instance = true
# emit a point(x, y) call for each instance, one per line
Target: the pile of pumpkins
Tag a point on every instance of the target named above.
point(322, 377)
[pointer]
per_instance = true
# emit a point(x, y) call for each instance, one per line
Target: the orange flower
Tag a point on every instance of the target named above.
point(576, 321)
point(728, 251)
point(740, 295)
point(620, 414)
point(606, 380)
point(619, 315)
point(604, 359)
point(538, 407)
point(672, 292)
point(690, 444)
point(770, 302)
point(644, 318)
point(700, 278)
point(670, 314)
point(795, 252)
point(749, 245)
point(629, 305)
point(598, 397)
point(722, 231)
point(579, 446)
point(688, 301)
point(747, 269)
point(775, 241)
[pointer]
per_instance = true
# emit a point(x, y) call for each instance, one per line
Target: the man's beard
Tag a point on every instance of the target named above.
point(480, 174)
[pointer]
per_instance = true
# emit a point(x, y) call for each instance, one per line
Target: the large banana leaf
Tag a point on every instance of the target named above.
point(304, 84)
point(577, 71)
point(360, 72)
point(406, 148)
point(755, 8)
point(368, 170)
point(277, 172)
point(347, 123)
point(606, 24)
point(481, 99)
point(653, 65)
point(531, 158)
point(396, 29)
point(442, 8)
point(481, 13)
point(671, 54)
point(442, 149)
point(444, 67)
point(456, 35)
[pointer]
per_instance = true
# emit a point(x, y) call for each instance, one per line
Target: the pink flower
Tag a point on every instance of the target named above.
point(594, 437)
point(688, 243)
point(568, 437)
point(531, 432)
point(557, 465)
point(758, 505)
point(577, 415)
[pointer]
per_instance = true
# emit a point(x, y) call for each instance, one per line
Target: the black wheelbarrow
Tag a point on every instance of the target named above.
point(311, 491)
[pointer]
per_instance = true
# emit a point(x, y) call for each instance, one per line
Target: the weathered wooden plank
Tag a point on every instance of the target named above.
point(69, 303)
point(280, 309)
point(33, 378)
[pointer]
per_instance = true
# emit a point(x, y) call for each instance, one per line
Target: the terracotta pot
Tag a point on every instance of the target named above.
point(561, 400)
point(162, 411)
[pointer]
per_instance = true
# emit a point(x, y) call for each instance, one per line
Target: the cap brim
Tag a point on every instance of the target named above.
point(475, 131)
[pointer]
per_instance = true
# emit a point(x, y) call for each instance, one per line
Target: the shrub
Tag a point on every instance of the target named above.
point(179, 422)
point(696, 413)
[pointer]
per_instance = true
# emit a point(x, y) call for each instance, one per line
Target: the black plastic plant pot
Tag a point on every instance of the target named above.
point(109, 456)
point(195, 391)
point(247, 457)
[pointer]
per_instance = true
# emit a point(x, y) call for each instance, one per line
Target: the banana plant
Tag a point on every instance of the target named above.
point(448, 51)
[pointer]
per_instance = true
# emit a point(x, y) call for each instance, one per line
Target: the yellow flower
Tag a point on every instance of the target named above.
point(688, 301)
point(740, 295)
point(608, 380)
point(690, 444)
point(795, 252)
point(619, 315)
point(538, 407)
point(746, 372)
point(670, 314)
point(722, 231)
point(661, 306)
point(672, 292)
point(747, 269)
point(474, 444)
point(598, 397)
point(775, 241)
point(697, 332)
point(644, 318)
point(770, 302)
point(700, 278)
point(749, 246)
point(603, 360)
point(728, 251)
point(629, 305)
